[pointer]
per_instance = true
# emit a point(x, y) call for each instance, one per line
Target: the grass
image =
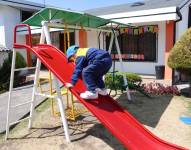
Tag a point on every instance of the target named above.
point(43, 106)
point(142, 104)
point(13, 130)
point(189, 107)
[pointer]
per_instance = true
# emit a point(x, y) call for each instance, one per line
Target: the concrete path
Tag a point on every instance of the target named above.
point(18, 97)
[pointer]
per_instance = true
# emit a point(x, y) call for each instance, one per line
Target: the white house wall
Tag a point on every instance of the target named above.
point(136, 67)
point(183, 24)
point(2, 30)
point(92, 39)
point(11, 18)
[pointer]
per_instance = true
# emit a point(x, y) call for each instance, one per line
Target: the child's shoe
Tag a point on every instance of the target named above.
point(89, 95)
point(102, 92)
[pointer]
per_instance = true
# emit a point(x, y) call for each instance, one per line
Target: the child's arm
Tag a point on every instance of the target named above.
point(80, 64)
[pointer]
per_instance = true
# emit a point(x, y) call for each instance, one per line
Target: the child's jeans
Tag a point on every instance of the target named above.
point(93, 74)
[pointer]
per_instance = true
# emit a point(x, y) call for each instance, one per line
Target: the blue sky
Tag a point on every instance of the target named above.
point(82, 4)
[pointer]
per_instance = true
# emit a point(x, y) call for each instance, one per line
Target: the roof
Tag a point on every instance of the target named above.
point(22, 4)
point(67, 17)
point(4, 49)
point(137, 6)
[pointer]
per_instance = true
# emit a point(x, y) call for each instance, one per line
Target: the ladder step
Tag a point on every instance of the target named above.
point(12, 123)
point(26, 68)
point(22, 87)
point(45, 95)
point(21, 104)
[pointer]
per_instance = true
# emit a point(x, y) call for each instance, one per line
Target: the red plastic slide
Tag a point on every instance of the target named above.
point(119, 122)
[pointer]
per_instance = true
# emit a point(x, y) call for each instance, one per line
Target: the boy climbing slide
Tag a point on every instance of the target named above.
point(92, 64)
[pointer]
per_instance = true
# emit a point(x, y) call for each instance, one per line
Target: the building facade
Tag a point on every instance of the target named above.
point(13, 12)
point(170, 17)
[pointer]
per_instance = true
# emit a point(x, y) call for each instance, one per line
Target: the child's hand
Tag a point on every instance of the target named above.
point(68, 85)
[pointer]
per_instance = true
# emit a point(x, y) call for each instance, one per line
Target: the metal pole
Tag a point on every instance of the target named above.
point(63, 26)
point(10, 91)
point(111, 43)
point(36, 79)
point(60, 104)
point(122, 67)
point(37, 71)
point(59, 96)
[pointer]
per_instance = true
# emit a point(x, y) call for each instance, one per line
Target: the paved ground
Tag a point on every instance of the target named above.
point(18, 97)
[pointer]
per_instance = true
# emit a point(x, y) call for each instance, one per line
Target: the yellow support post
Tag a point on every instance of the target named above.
point(71, 111)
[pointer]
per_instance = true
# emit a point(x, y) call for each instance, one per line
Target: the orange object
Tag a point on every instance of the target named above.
point(156, 29)
point(169, 44)
point(82, 38)
point(126, 30)
point(140, 30)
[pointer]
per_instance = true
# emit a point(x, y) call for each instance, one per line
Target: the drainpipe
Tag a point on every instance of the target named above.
point(180, 19)
point(174, 39)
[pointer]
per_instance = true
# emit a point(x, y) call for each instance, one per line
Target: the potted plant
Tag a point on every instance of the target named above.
point(180, 55)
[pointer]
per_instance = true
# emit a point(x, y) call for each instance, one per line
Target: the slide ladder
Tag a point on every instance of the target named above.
point(57, 96)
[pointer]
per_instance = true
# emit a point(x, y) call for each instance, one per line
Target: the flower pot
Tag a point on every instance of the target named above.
point(159, 70)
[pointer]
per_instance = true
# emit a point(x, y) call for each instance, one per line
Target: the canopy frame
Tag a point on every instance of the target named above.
point(50, 20)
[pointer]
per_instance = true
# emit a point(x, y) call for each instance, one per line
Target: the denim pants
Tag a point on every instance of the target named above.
point(93, 74)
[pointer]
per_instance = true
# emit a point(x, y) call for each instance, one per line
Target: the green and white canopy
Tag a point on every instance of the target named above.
point(67, 17)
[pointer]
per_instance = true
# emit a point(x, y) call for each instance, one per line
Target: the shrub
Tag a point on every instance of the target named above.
point(6, 70)
point(133, 78)
point(116, 82)
point(180, 54)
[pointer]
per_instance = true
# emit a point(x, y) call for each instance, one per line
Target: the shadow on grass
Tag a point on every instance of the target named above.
point(98, 131)
point(79, 133)
point(147, 111)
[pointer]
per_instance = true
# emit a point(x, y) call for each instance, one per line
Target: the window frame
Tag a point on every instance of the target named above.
point(136, 60)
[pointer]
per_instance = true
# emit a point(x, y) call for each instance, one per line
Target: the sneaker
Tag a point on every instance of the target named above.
point(102, 92)
point(89, 95)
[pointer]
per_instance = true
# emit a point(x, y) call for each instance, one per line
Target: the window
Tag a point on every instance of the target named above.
point(25, 15)
point(137, 44)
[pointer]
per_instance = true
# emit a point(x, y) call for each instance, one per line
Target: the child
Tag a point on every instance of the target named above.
point(92, 64)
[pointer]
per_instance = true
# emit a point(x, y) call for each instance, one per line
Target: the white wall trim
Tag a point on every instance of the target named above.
point(22, 4)
point(153, 18)
point(140, 13)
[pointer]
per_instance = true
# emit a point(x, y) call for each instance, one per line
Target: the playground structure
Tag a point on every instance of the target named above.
point(117, 120)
